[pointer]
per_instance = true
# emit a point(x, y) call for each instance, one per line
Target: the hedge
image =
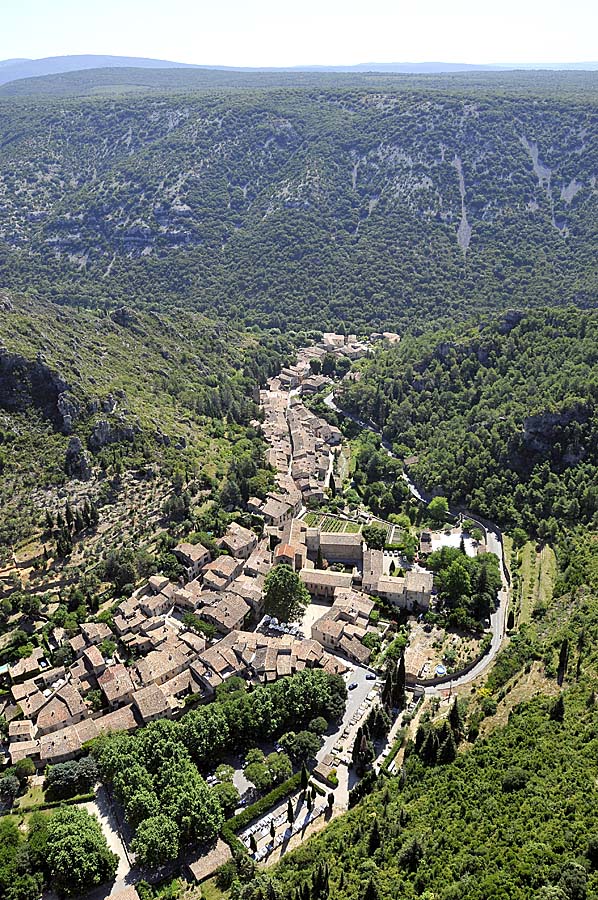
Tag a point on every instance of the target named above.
point(49, 804)
point(257, 809)
point(237, 847)
point(400, 740)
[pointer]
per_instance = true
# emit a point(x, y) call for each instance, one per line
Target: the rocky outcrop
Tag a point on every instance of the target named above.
point(109, 404)
point(542, 430)
point(77, 463)
point(124, 316)
point(26, 382)
point(105, 432)
point(510, 320)
point(559, 437)
point(69, 409)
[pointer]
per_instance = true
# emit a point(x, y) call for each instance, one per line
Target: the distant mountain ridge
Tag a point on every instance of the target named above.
point(12, 62)
point(16, 69)
point(381, 200)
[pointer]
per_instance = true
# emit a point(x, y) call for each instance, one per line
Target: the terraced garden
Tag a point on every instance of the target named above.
point(331, 523)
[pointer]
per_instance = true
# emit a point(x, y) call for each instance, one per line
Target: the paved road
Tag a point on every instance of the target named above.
point(103, 809)
point(354, 700)
point(493, 542)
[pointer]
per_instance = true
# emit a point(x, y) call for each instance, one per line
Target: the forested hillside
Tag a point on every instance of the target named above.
point(502, 419)
point(379, 206)
point(82, 389)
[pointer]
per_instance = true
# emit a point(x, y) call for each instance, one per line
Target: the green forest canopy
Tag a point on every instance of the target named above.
point(502, 419)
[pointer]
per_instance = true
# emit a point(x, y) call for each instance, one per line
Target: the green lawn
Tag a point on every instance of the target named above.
point(33, 797)
point(21, 819)
point(211, 891)
point(538, 573)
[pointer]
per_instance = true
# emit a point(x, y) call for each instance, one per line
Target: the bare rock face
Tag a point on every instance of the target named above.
point(26, 382)
point(107, 433)
point(77, 463)
point(68, 407)
point(109, 404)
point(510, 320)
point(6, 305)
point(123, 316)
point(557, 436)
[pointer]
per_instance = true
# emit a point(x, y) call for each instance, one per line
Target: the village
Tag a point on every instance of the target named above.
point(173, 662)
point(152, 661)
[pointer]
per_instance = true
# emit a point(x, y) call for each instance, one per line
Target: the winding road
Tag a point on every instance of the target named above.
point(494, 544)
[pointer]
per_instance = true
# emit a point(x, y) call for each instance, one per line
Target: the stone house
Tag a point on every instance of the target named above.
point(193, 557)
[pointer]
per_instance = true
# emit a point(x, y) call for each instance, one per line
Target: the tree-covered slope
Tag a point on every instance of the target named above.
point(508, 818)
point(380, 206)
point(502, 419)
point(437, 77)
point(82, 389)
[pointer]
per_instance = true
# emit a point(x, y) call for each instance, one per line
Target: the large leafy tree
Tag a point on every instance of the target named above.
point(156, 840)
point(70, 778)
point(285, 594)
point(438, 510)
point(77, 855)
point(375, 536)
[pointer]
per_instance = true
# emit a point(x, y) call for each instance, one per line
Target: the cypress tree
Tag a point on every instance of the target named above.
point(356, 746)
point(399, 692)
point(455, 721)
point(374, 839)
point(563, 660)
point(429, 750)
point(371, 891)
point(557, 713)
point(304, 778)
point(447, 750)
point(387, 688)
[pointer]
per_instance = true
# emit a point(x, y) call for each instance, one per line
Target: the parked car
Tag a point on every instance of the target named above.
point(353, 685)
point(370, 676)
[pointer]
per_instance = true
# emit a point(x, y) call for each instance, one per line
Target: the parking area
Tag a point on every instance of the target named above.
point(275, 830)
point(360, 700)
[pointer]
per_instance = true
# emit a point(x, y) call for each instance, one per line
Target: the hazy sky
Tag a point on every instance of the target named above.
point(272, 33)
